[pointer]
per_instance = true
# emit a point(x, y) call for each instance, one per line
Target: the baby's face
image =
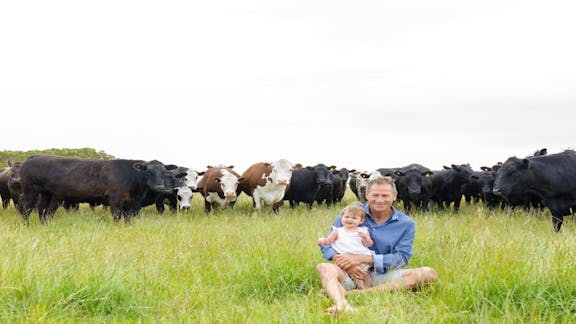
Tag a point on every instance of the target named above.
point(351, 220)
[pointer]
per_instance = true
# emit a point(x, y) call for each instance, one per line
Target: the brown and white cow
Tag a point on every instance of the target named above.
point(219, 187)
point(267, 183)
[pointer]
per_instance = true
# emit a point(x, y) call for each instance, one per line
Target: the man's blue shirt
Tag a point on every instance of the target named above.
point(393, 240)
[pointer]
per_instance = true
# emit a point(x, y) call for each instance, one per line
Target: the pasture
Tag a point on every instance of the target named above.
point(236, 266)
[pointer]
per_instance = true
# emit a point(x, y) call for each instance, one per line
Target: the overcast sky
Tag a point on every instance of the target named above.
point(356, 84)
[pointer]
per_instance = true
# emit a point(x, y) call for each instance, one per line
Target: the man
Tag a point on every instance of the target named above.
point(393, 234)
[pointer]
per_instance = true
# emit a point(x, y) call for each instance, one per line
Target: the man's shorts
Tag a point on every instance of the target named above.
point(377, 279)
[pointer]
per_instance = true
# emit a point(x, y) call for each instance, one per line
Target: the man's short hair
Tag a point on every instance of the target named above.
point(382, 180)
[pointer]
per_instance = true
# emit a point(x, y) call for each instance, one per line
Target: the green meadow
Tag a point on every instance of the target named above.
point(237, 266)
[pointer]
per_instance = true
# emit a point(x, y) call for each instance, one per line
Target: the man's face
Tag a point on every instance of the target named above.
point(381, 197)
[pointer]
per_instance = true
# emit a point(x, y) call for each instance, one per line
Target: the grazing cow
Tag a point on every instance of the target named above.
point(267, 183)
point(414, 186)
point(552, 178)
point(447, 185)
point(219, 187)
point(122, 184)
point(306, 183)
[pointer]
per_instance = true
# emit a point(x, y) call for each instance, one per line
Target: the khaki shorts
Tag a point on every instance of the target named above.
point(349, 284)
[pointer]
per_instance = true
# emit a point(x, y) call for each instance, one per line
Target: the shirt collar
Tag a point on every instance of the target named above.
point(394, 217)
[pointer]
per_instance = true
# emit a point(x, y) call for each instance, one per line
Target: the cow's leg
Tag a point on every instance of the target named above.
point(160, 205)
point(44, 206)
point(28, 201)
point(172, 202)
point(116, 209)
point(557, 222)
point(207, 206)
point(256, 200)
point(276, 207)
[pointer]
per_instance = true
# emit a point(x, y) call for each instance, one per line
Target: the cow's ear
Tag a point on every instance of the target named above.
point(447, 167)
point(525, 163)
point(139, 166)
point(201, 173)
point(351, 171)
point(171, 167)
point(332, 168)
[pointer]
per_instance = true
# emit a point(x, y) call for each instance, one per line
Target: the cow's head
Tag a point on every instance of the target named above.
point(511, 178)
point(155, 174)
point(281, 172)
point(184, 197)
point(228, 183)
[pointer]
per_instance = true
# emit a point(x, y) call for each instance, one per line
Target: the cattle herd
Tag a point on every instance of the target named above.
point(43, 183)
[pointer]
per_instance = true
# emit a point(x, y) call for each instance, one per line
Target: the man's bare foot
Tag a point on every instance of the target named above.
point(335, 310)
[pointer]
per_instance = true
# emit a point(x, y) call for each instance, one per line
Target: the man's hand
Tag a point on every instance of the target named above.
point(349, 261)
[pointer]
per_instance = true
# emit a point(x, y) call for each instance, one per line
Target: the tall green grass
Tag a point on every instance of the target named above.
point(237, 266)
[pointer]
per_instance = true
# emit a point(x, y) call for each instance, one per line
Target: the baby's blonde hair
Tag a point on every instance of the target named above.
point(356, 210)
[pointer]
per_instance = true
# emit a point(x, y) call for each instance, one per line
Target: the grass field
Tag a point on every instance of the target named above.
point(235, 266)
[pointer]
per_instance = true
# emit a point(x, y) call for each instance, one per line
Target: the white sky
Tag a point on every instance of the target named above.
point(356, 84)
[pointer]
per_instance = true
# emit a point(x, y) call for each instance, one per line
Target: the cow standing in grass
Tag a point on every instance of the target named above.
point(267, 183)
point(48, 180)
point(219, 187)
point(551, 178)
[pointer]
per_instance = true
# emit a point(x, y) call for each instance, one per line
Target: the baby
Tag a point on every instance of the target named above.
point(351, 238)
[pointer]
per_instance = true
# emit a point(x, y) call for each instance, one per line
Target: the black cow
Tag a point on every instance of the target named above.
point(414, 186)
point(307, 184)
point(14, 185)
point(340, 178)
point(4, 191)
point(552, 178)
point(447, 185)
point(175, 179)
point(122, 184)
point(485, 180)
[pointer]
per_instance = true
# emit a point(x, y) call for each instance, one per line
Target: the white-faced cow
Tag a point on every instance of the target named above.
point(219, 187)
point(184, 193)
point(267, 183)
point(552, 178)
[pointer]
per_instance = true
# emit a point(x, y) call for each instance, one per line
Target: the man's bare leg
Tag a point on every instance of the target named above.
point(331, 277)
point(412, 279)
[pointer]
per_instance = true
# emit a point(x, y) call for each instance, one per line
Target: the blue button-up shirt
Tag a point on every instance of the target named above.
point(393, 240)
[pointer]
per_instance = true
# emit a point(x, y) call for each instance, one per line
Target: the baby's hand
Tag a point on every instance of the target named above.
point(364, 235)
point(321, 241)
